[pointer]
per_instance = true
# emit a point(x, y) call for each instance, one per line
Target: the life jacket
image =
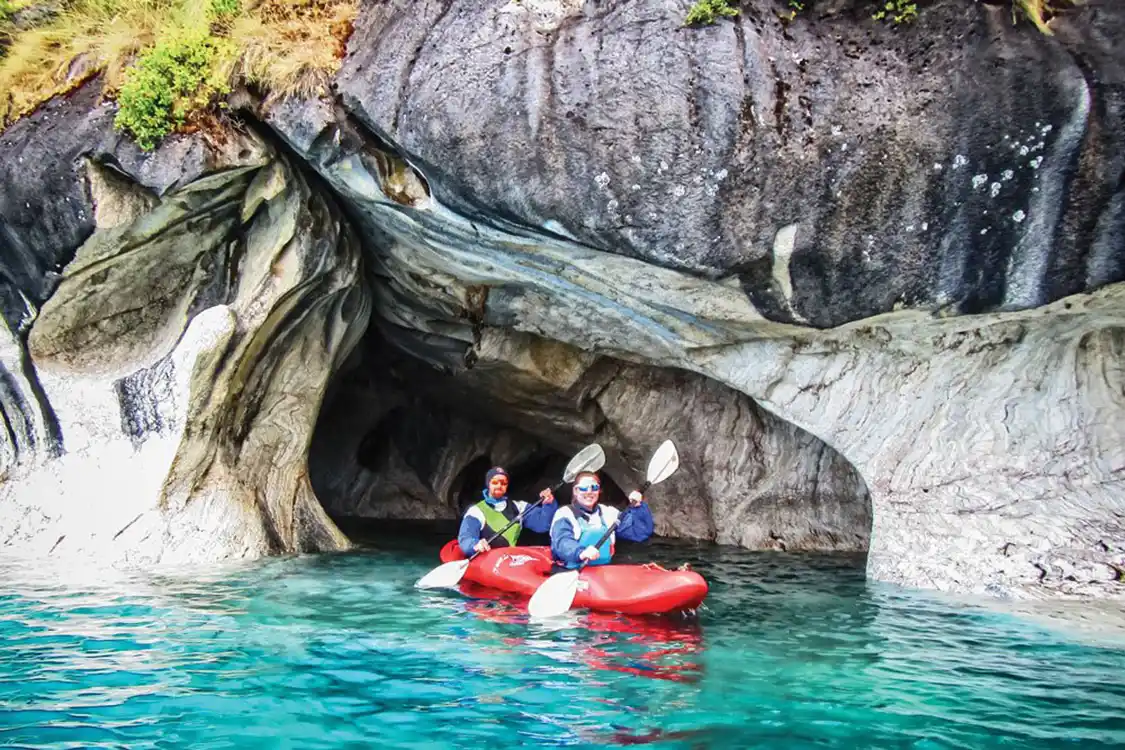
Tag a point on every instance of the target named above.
point(494, 520)
point(591, 532)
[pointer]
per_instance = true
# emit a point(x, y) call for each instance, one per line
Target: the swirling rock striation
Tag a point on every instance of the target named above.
point(209, 293)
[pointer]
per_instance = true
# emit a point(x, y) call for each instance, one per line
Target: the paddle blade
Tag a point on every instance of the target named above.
point(554, 596)
point(444, 576)
point(663, 463)
point(590, 458)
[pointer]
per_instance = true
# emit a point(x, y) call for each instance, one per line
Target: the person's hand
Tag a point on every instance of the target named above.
point(482, 546)
point(636, 498)
point(590, 553)
point(547, 496)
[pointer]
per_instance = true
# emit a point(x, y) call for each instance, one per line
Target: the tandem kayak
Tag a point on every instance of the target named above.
point(629, 589)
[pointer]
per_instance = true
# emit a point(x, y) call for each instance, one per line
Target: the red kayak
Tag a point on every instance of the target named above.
point(629, 589)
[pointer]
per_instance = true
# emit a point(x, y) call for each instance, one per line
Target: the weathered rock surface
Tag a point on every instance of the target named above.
point(180, 362)
point(997, 458)
point(836, 168)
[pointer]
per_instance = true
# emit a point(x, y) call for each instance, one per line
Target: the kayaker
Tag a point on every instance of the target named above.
point(578, 526)
point(495, 511)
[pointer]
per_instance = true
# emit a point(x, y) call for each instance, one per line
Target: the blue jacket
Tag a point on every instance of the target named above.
point(538, 520)
point(636, 526)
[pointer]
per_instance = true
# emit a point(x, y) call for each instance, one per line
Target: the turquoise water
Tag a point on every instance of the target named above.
point(340, 651)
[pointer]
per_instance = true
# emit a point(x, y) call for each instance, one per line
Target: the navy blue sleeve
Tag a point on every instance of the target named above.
point(539, 519)
point(636, 523)
point(469, 534)
point(563, 544)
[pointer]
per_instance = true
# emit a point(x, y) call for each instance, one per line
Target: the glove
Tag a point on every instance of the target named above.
point(636, 498)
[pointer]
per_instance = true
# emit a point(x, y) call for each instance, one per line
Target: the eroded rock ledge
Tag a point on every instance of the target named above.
point(168, 386)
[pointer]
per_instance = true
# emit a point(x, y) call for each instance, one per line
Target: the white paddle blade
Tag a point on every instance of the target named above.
point(590, 458)
point(444, 576)
point(663, 463)
point(554, 596)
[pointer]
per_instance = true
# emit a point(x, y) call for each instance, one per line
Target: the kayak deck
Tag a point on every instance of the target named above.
point(628, 589)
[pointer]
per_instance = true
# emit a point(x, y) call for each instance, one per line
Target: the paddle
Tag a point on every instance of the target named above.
point(590, 458)
point(555, 595)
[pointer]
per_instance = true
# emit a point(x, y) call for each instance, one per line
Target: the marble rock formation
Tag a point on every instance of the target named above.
point(832, 258)
point(904, 241)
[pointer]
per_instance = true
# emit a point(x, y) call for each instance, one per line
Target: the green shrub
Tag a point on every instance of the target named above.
point(897, 11)
point(708, 11)
point(223, 12)
point(224, 8)
point(169, 80)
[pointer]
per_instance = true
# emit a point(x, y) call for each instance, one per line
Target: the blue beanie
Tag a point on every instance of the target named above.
point(495, 471)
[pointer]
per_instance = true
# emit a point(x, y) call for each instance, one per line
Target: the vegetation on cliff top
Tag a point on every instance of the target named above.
point(167, 61)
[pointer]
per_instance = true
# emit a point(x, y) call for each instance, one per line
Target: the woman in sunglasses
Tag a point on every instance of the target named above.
point(578, 527)
point(495, 511)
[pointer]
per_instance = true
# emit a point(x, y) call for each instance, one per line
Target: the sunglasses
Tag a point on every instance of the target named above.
point(594, 487)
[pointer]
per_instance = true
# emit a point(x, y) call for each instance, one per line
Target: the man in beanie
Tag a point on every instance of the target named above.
point(495, 511)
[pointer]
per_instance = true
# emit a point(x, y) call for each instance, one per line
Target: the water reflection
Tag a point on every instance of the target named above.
point(656, 647)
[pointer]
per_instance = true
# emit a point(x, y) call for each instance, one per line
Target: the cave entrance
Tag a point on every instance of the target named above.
point(403, 441)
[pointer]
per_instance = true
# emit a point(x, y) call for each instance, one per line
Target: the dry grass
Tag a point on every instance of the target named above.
point(90, 36)
point(282, 46)
point(290, 46)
